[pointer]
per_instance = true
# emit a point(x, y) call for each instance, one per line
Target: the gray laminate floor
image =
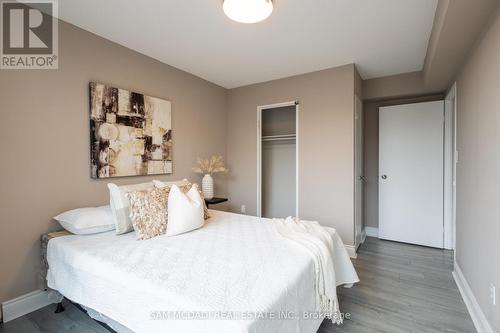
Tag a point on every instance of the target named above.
point(403, 288)
point(46, 321)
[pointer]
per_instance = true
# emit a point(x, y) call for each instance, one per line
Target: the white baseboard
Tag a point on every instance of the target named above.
point(25, 304)
point(480, 322)
point(351, 250)
point(371, 231)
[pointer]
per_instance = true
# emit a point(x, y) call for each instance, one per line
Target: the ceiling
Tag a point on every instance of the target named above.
point(383, 37)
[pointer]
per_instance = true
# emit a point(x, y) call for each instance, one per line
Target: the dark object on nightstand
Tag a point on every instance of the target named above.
point(214, 201)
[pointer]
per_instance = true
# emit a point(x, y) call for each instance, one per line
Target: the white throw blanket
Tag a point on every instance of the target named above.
point(319, 244)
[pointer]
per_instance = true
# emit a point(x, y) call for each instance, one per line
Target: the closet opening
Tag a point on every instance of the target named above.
point(277, 160)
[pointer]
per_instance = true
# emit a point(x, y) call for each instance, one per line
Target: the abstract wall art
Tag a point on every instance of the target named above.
point(130, 133)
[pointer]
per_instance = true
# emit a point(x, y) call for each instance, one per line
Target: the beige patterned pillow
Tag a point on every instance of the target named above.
point(148, 211)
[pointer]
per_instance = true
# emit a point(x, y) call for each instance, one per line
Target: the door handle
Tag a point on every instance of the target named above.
point(362, 178)
point(384, 177)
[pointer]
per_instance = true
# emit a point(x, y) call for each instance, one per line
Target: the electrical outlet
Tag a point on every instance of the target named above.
point(493, 294)
point(243, 209)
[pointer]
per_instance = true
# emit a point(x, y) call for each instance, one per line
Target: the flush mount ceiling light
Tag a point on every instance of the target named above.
point(248, 11)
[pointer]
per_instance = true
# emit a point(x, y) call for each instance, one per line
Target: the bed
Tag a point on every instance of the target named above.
point(236, 274)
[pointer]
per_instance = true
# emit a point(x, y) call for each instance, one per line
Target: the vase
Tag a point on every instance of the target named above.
point(207, 186)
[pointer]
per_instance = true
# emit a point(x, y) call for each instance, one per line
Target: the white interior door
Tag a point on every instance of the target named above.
point(411, 173)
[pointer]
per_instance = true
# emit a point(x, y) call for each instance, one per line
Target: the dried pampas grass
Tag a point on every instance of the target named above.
point(210, 165)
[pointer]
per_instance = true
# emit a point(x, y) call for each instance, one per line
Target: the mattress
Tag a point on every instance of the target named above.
point(236, 274)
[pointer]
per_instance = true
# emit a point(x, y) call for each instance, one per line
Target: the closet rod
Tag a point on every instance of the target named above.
point(279, 137)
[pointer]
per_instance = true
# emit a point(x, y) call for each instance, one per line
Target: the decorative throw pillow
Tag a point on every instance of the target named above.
point(120, 203)
point(185, 188)
point(148, 211)
point(185, 211)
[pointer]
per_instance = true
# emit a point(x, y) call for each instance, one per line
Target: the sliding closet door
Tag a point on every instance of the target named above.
point(278, 179)
point(411, 173)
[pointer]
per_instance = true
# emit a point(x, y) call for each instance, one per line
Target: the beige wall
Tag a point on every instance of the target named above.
point(396, 86)
point(326, 155)
point(45, 140)
point(478, 199)
point(370, 157)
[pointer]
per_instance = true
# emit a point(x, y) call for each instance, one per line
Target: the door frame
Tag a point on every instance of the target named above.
point(450, 169)
point(260, 109)
point(358, 119)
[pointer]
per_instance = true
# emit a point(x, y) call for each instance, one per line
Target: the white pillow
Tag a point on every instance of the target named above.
point(120, 204)
point(84, 221)
point(185, 211)
point(161, 184)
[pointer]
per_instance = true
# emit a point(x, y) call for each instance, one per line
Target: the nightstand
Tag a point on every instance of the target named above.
point(215, 201)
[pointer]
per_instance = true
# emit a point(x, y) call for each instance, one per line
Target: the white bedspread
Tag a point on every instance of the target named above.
point(237, 274)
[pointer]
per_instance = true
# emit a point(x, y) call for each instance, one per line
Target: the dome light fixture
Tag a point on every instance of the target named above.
point(248, 11)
